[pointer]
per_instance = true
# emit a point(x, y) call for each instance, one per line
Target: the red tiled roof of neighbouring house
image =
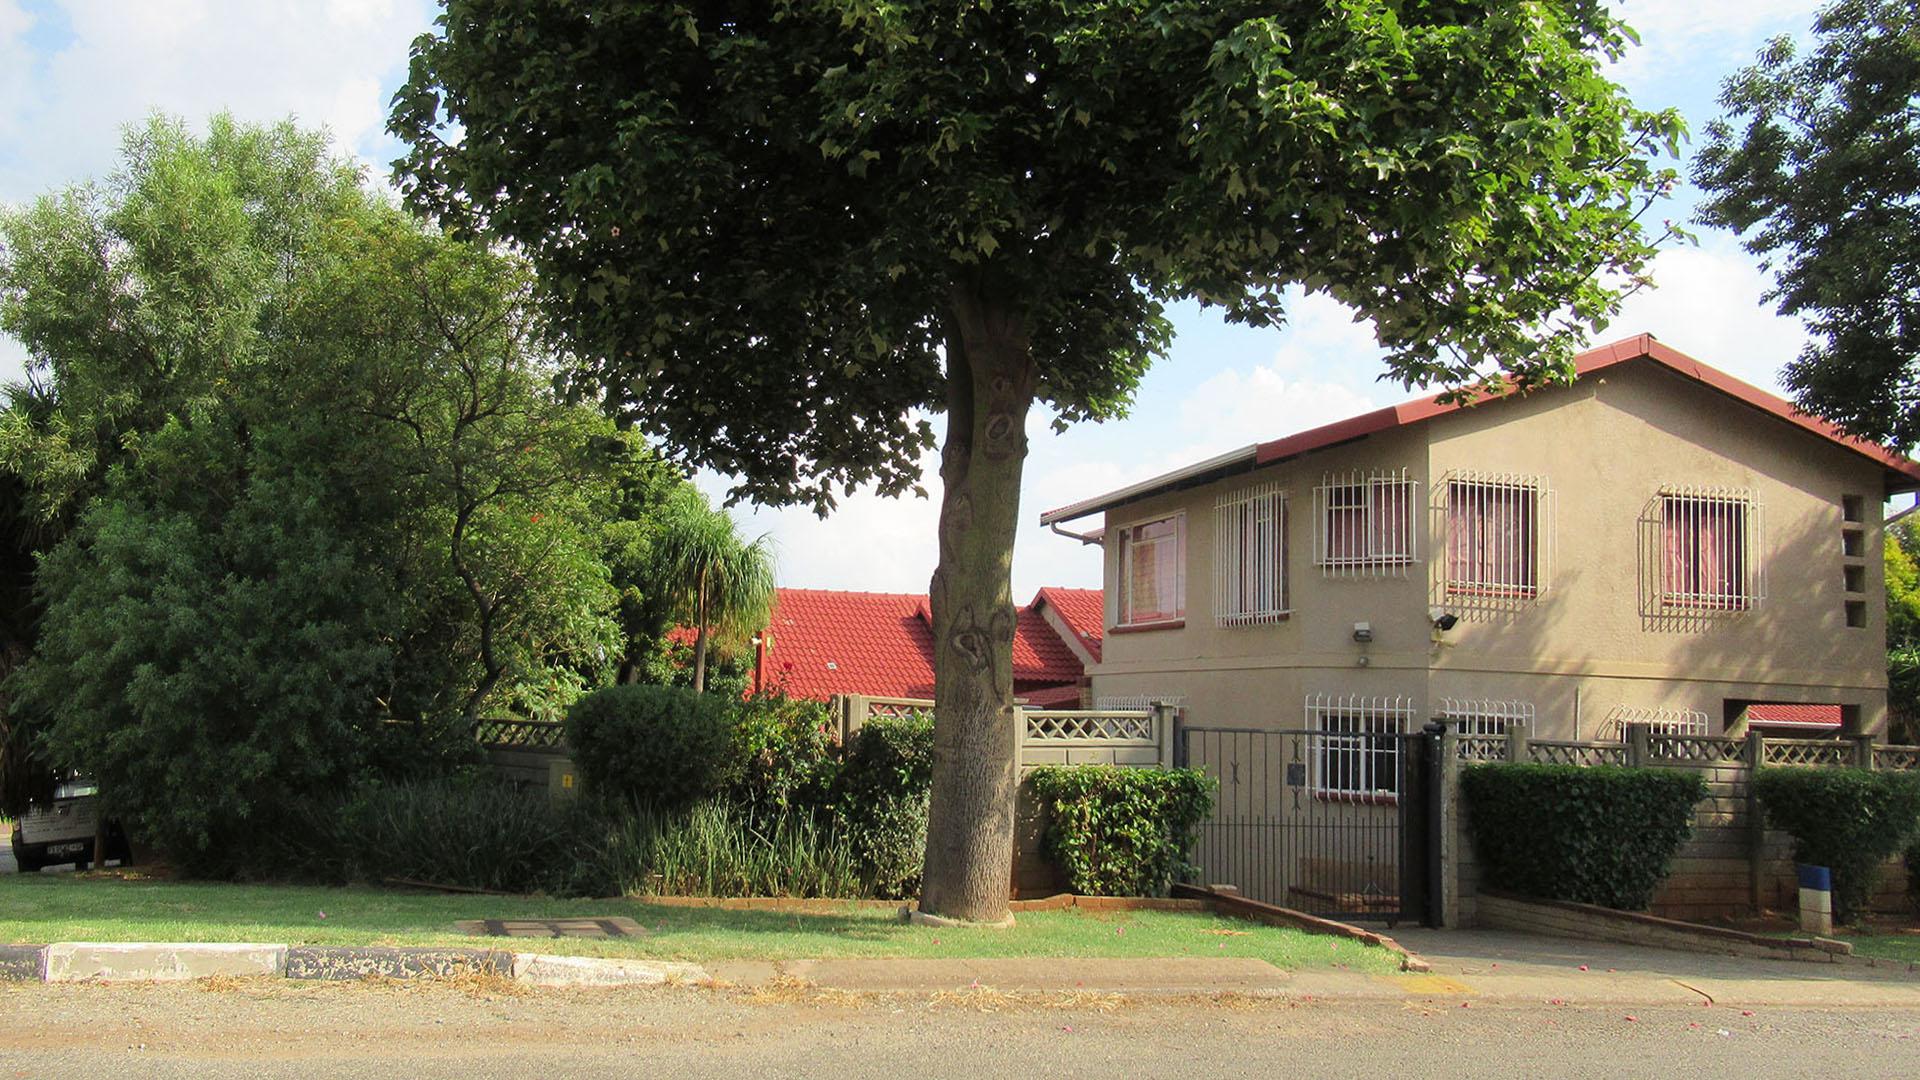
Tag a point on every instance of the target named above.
point(1039, 656)
point(1778, 714)
point(1902, 473)
point(826, 642)
point(1082, 610)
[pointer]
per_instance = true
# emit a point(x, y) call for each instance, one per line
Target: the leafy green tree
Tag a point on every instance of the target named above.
point(1817, 164)
point(771, 233)
point(363, 504)
point(1903, 634)
point(720, 581)
point(503, 485)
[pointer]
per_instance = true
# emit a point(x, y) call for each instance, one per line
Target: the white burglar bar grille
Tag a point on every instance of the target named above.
point(1355, 754)
point(1710, 550)
point(1250, 572)
point(1499, 537)
point(1660, 721)
point(1485, 717)
point(1364, 523)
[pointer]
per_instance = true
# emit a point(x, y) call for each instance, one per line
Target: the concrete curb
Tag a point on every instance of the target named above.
point(23, 963)
point(339, 962)
point(149, 961)
point(159, 961)
point(536, 969)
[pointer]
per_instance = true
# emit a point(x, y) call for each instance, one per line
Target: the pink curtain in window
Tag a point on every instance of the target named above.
point(1703, 550)
point(1392, 519)
point(1490, 537)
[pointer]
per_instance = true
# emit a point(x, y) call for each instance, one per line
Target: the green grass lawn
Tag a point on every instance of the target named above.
point(1886, 946)
point(43, 908)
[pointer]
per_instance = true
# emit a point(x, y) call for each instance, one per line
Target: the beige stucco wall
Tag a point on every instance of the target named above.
point(1606, 447)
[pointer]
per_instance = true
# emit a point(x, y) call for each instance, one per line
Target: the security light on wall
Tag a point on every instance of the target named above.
point(1362, 632)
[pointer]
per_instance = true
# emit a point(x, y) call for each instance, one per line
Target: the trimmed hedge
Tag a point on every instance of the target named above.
point(1602, 835)
point(658, 746)
point(1848, 820)
point(1118, 831)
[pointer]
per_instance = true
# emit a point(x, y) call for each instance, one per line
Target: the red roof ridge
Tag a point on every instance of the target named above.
point(1637, 347)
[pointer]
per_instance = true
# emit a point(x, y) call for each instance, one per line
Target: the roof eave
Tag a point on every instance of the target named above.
point(1211, 469)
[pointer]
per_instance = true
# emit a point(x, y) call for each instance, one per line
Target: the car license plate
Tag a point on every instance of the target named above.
point(66, 849)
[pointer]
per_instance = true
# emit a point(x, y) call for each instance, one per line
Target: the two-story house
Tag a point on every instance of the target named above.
point(1655, 542)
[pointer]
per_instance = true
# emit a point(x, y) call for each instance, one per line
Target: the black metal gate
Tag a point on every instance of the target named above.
point(1330, 823)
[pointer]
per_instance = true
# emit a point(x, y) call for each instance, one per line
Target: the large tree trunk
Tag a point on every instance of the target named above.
point(990, 382)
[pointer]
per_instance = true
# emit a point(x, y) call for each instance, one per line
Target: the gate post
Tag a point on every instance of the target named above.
point(1432, 902)
point(1445, 809)
point(1164, 717)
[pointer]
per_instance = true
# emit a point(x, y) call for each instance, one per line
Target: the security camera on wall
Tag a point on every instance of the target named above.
point(1362, 632)
point(1443, 620)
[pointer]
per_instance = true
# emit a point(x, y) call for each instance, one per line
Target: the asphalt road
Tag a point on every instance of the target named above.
point(278, 1029)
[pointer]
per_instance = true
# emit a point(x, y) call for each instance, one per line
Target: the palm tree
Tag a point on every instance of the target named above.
point(718, 581)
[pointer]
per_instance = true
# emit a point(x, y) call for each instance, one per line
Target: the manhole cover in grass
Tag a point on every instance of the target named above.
point(616, 927)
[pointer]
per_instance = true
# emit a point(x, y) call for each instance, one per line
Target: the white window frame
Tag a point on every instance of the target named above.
point(1124, 561)
point(1485, 716)
point(1516, 487)
point(1250, 585)
point(1354, 753)
point(1742, 590)
point(1390, 546)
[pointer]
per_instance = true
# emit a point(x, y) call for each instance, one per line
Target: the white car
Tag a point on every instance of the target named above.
point(62, 831)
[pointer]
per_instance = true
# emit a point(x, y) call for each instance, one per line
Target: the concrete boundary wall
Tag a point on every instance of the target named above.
point(1560, 918)
point(1732, 864)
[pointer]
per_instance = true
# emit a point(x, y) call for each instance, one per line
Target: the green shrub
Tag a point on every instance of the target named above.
point(880, 802)
point(1912, 858)
point(716, 848)
point(1602, 836)
point(658, 746)
point(469, 830)
point(1120, 831)
point(1848, 820)
point(788, 753)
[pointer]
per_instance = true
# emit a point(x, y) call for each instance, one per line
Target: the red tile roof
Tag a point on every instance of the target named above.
point(1638, 347)
point(824, 642)
point(1773, 714)
point(1903, 474)
point(1083, 610)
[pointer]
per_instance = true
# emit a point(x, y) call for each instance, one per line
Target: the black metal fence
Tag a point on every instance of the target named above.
point(1334, 823)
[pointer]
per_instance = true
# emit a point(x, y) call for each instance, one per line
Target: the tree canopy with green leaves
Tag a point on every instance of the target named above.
point(308, 503)
point(772, 232)
point(1817, 165)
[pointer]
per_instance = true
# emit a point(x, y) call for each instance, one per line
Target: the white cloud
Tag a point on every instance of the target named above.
point(1704, 35)
point(1708, 305)
point(260, 59)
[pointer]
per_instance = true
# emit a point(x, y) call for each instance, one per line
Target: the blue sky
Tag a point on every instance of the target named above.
point(73, 72)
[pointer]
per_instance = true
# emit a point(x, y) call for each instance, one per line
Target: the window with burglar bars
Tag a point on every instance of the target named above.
point(1364, 523)
point(1710, 548)
point(1250, 574)
point(1484, 717)
point(1659, 721)
point(1498, 534)
point(1356, 753)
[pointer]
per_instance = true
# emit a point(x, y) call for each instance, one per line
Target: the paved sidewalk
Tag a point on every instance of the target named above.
point(1468, 966)
point(1503, 965)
